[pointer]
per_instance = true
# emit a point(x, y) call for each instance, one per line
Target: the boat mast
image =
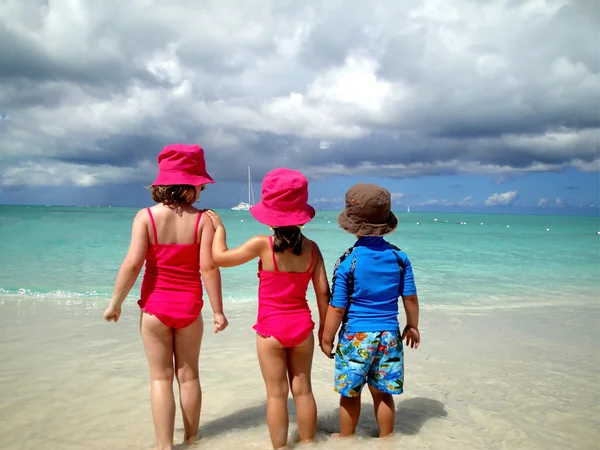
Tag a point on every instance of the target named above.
point(249, 186)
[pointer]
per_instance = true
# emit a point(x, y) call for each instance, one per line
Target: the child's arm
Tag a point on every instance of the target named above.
point(333, 321)
point(211, 275)
point(131, 266)
point(411, 307)
point(321, 286)
point(237, 256)
point(411, 331)
point(336, 310)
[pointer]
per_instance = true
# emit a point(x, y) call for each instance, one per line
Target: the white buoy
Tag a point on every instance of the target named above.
point(329, 221)
point(435, 220)
point(242, 220)
point(547, 229)
point(507, 226)
point(418, 223)
point(481, 223)
point(446, 221)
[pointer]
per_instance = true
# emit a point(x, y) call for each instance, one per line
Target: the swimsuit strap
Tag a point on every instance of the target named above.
point(196, 227)
point(312, 256)
point(153, 226)
point(273, 253)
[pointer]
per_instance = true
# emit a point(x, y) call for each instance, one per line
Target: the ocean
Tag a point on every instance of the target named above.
point(460, 260)
point(508, 358)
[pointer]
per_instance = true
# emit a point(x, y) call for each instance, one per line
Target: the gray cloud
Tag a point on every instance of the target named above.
point(92, 90)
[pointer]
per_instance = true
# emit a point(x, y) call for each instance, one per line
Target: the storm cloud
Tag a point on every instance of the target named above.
point(90, 91)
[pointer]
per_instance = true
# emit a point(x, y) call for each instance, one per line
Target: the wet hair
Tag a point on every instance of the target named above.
point(178, 194)
point(288, 238)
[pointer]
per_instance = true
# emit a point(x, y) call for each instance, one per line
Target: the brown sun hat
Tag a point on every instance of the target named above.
point(368, 211)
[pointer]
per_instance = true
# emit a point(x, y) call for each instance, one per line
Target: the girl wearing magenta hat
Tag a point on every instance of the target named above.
point(288, 261)
point(174, 239)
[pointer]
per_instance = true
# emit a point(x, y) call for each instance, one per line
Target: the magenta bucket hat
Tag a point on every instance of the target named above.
point(284, 200)
point(182, 164)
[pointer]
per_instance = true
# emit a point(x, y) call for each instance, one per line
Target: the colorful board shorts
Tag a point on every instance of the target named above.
point(376, 358)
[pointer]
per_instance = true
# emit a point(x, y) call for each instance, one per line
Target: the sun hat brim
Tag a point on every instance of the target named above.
point(359, 227)
point(175, 177)
point(274, 218)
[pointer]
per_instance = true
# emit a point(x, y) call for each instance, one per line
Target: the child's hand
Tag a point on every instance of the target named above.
point(214, 217)
point(327, 348)
point(220, 322)
point(412, 336)
point(112, 313)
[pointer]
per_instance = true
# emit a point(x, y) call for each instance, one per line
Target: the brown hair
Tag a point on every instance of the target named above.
point(288, 237)
point(182, 194)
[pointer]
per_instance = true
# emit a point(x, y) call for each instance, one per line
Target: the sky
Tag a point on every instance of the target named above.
point(478, 106)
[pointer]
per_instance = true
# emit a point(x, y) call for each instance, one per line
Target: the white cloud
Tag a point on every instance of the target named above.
point(437, 202)
point(505, 199)
point(550, 203)
point(330, 200)
point(57, 174)
point(467, 201)
point(313, 85)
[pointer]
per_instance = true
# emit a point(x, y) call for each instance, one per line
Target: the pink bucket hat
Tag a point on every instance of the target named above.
point(284, 199)
point(182, 164)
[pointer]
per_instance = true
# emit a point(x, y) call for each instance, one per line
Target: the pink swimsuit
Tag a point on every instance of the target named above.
point(172, 288)
point(283, 311)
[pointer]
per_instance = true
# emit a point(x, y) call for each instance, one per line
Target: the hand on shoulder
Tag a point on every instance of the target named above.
point(214, 217)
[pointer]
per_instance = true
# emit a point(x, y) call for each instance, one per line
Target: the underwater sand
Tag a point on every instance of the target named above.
point(516, 378)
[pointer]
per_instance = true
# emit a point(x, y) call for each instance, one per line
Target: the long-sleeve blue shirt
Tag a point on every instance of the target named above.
point(368, 280)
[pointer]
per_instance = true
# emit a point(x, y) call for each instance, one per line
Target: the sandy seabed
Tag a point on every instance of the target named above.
point(515, 378)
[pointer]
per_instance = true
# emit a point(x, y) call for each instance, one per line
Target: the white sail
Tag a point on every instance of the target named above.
point(245, 206)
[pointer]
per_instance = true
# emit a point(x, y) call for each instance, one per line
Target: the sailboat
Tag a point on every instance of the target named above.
point(243, 206)
point(408, 209)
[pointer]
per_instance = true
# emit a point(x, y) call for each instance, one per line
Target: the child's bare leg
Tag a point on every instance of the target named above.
point(158, 342)
point(299, 366)
point(187, 351)
point(385, 411)
point(272, 358)
point(349, 415)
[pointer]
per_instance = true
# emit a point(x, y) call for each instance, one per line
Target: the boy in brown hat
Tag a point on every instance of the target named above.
point(367, 281)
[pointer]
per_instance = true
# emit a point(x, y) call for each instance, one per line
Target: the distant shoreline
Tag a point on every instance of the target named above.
point(399, 210)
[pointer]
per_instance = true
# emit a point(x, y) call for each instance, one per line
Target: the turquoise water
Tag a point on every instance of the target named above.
point(75, 252)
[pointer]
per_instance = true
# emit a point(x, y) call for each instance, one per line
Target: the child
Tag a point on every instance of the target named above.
point(174, 239)
point(284, 328)
point(367, 281)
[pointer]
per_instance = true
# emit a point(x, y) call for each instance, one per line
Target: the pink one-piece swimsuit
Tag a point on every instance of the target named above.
point(283, 310)
point(172, 287)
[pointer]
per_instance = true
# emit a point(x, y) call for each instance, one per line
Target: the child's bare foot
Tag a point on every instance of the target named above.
point(191, 441)
point(339, 436)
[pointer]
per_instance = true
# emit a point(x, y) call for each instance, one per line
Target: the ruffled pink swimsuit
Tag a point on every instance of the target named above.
point(283, 310)
point(172, 288)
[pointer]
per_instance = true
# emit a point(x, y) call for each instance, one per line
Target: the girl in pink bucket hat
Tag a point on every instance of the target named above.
point(288, 261)
point(174, 239)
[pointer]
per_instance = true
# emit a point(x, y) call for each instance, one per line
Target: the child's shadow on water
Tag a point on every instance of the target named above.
point(244, 419)
point(411, 415)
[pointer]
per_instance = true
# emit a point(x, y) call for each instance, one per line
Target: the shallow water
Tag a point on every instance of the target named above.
point(73, 252)
point(488, 379)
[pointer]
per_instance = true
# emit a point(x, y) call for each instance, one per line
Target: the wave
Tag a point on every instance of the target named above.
point(584, 297)
point(59, 294)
